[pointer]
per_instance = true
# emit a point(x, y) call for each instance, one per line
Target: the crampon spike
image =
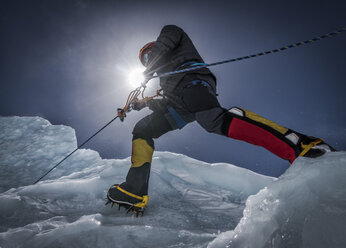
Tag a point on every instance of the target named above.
point(129, 208)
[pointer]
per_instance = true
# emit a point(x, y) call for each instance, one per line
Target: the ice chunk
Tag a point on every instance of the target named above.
point(305, 207)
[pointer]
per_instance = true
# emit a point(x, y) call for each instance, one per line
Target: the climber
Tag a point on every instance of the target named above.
point(192, 97)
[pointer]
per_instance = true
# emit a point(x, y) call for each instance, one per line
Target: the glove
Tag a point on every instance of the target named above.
point(157, 105)
point(139, 105)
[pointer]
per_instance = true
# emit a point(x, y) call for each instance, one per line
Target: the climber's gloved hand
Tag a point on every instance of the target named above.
point(157, 105)
point(139, 105)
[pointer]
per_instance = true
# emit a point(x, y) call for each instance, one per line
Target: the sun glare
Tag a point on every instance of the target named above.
point(136, 77)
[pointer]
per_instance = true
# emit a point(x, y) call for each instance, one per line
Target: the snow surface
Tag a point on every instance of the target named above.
point(192, 203)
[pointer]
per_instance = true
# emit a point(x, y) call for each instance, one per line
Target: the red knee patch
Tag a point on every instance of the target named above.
point(248, 132)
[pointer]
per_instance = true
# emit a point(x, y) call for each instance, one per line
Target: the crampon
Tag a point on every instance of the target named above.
point(131, 202)
point(130, 208)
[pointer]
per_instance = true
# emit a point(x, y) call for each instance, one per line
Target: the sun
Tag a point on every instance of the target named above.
point(136, 77)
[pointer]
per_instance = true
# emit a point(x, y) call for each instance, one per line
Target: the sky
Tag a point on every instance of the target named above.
point(68, 62)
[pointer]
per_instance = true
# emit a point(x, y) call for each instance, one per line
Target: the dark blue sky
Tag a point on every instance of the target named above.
point(66, 61)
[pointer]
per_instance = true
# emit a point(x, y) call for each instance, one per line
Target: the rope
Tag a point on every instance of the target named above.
point(329, 35)
point(135, 93)
point(75, 150)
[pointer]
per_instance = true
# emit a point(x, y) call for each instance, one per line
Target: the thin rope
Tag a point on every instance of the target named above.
point(329, 35)
point(133, 95)
point(76, 149)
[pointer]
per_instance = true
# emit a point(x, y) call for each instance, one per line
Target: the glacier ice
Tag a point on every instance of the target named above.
point(192, 203)
point(305, 207)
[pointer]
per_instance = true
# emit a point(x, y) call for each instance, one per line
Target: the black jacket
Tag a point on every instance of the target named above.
point(172, 49)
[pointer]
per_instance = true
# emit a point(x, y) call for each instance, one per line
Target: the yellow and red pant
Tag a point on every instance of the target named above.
point(200, 104)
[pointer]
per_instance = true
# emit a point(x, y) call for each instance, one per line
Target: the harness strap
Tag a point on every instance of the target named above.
point(177, 118)
point(189, 63)
point(198, 82)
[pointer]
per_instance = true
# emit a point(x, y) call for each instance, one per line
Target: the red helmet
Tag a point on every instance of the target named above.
point(144, 52)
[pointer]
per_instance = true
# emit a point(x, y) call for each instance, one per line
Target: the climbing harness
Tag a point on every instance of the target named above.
point(133, 96)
